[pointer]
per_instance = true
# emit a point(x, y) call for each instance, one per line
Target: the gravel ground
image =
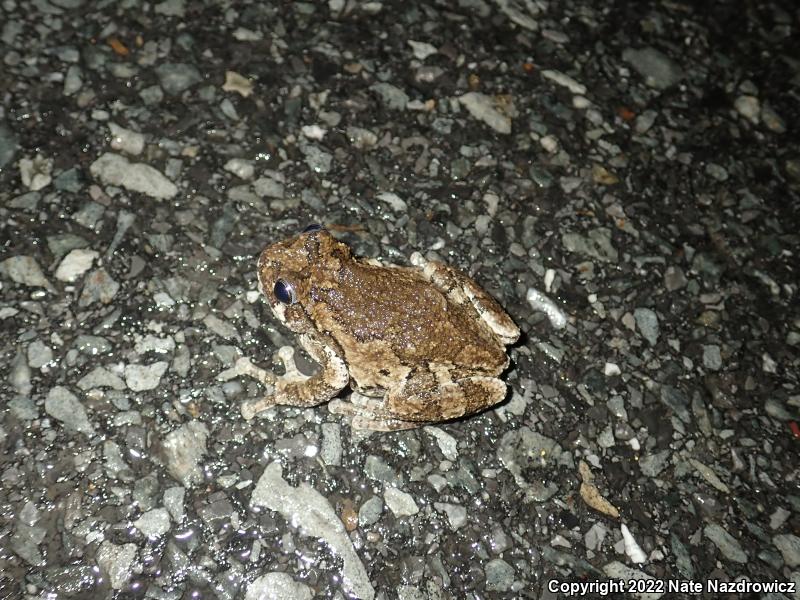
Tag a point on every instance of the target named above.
point(622, 177)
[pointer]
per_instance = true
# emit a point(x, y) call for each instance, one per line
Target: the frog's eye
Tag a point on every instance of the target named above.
point(284, 292)
point(312, 227)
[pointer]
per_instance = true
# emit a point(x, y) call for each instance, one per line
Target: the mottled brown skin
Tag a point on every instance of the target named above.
point(425, 342)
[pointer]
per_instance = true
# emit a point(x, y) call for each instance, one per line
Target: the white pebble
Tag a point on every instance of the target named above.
point(75, 264)
point(240, 167)
point(539, 301)
point(632, 549)
point(125, 140)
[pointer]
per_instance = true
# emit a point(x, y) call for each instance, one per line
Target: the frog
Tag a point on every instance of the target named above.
point(418, 344)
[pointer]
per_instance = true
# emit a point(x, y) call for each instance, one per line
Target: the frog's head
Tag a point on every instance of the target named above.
point(288, 271)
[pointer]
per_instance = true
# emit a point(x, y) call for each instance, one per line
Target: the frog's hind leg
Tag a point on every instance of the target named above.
point(445, 400)
point(461, 288)
point(369, 413)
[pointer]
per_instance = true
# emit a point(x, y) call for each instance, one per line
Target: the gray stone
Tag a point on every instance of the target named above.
point(154, 523)
point(117, 561)
point(64, 406)
point(652, 464)
point(140, 378)
point(499, 575)
point(98, 287)
point(183, 449)
point(277, 586)
point(313, 515)
point(728, 545)
point(659, 71)
point(484, 108)
point(114, 169)
point(456, 514)
point(401, 503)
point(177, 77)
point(789, 546)
point(392, 96)
point(647, 322)
point(370, 511)
point(39, 354)
point(596, 244)
point(24, 270)
point(100, 377)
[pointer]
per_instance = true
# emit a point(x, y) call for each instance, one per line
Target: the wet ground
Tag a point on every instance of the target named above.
point(622, 177)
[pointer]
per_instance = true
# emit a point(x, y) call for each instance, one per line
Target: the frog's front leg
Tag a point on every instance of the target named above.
point(460, 289)
point(296, 389)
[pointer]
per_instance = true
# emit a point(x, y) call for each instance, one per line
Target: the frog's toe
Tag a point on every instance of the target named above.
point(360, 422)
point(250, 408)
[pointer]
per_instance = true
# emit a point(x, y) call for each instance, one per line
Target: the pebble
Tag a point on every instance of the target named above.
point(632, 548)
point(499, 575)
point(659, 71)
point(596, 244)
point(565, 81)
point(240, 167)
point(370, 511)
point(400, 503)
point(484, 108)
point(331, 447)
point(117, 562)
point(446, 442)
point(235, 82)
point(267, 187)
point(114, 169)
point(39, 354)
point(749, 107)
point(674, 279)
point(173, 502)
point(312, 514)
point(183, 449)
point(153, 523)
point(277, 586)
point(98, 287)
point(728, 545)
point(175, 78)
point(652, 464)
point(540, 302)
point(64, 406)
point(647, 323)
point(712, 358)
point(395, 202)
point(126, 140)
point(100, 377)
point(73, 80)
point(75, 264)
point(709, 475)
point(789, 547)
point(392, 96)
point(456, 514)
point(36, 172)
point(361, 138)
point(24, 270)
point(140, 378)
point(422, 50)
point(317, 160)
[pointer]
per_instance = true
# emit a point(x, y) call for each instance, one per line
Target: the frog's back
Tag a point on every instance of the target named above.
point(396, 308)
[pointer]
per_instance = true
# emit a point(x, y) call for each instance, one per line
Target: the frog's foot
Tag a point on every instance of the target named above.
point(243, 366)
point(369, 413)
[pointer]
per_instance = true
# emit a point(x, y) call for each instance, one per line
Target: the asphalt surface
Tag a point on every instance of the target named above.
point(622, 177)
